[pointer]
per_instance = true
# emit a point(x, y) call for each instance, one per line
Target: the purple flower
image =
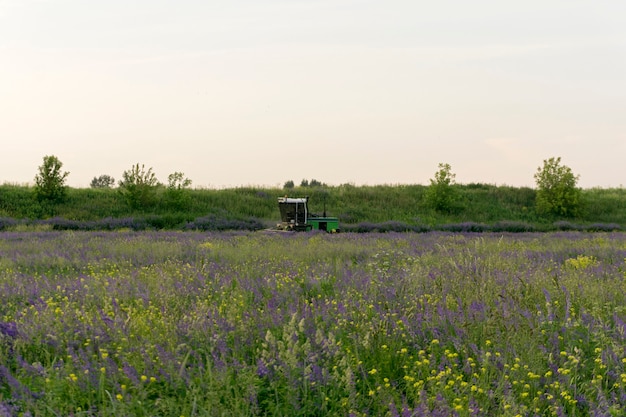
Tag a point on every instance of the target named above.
point(7, 410)
point(8, 328)
point(261, 368)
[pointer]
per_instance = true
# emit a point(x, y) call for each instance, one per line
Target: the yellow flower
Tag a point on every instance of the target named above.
point(119, 397)
point(373, 371)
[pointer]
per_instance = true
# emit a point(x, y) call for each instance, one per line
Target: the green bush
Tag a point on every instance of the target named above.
point(557, 194)
point(177, 192)
point(50, 181)
point(103, 181)
point(139, 187)
point(441, 194)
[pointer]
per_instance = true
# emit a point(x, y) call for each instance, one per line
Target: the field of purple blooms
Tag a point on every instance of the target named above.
point(256, 324)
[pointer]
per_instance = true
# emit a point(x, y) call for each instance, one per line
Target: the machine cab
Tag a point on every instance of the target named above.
point(294, 213)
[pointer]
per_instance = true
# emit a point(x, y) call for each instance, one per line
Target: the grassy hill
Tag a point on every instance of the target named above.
point(479, 206)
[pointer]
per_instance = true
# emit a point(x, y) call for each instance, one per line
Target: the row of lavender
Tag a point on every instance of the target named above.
point(217, 223)
point(194, 324)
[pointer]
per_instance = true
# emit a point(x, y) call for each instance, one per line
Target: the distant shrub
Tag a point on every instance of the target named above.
point(557, 193)
point(312, 183)
point(478, 186)
point(103, 181)
point(138, 186)
point(441, 194)
point(177, 192)
point(50, 181)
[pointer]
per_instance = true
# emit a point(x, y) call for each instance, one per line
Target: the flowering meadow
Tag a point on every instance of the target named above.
point(257, 324)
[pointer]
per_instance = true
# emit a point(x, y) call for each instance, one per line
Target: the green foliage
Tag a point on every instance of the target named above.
point(482, 204)
point(103, 181)
point(288, 185)
point(17, 201)
point(608, 204)
point(177, 192)
point(50, 181)
point(178, 181)
point(312, 183)
point(557, 193)
point(441, 194)
point(139, 187)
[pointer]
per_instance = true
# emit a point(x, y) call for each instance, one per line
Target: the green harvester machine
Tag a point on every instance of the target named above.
point(295, 216)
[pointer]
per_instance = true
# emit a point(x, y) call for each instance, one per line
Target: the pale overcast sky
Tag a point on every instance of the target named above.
point(243, 92)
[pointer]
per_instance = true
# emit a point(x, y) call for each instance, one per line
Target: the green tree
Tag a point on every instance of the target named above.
point(288, 185)
point(312, 183)
point(441, 194)
point(557, 193)
point(50, 181)
point(139, 187)
point(176, 194)
point(103, 181)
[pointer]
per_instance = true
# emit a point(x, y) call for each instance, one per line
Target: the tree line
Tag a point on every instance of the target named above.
point(138, 185)
point(558, 193)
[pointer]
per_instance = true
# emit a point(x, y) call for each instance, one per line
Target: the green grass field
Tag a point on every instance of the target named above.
point(255, 324)
point(357, 207)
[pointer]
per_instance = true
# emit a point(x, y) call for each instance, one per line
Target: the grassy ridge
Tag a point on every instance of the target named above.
point(478, 203)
